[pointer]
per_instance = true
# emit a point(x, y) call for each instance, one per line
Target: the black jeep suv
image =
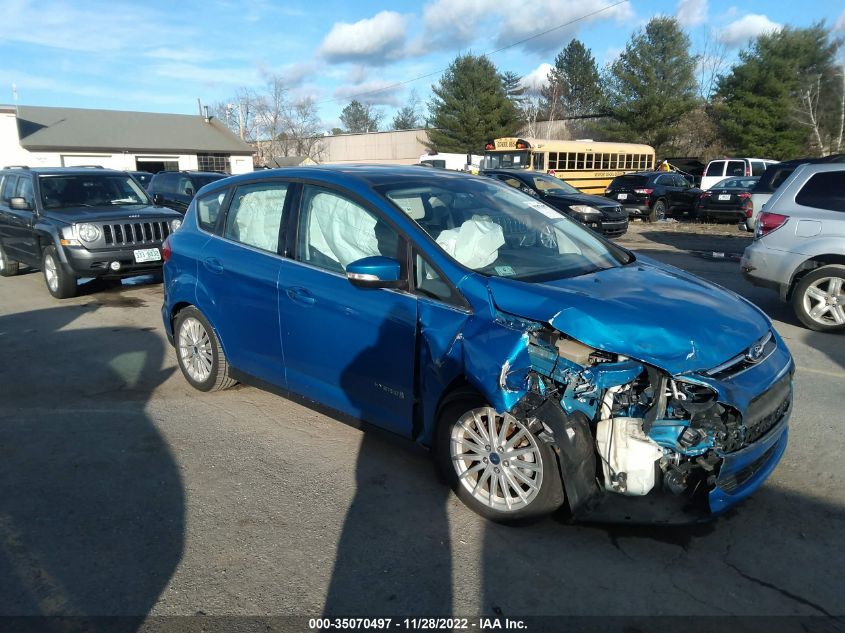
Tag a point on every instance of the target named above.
point(79, 222)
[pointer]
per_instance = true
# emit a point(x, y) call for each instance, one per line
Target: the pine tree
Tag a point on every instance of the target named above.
point(358, 117)
point(652, 87)
point(762, 104)
point(470, 107)
point(512, 83)
point(574, 87)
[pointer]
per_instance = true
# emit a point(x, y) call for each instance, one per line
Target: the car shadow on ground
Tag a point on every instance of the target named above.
point(92, 510)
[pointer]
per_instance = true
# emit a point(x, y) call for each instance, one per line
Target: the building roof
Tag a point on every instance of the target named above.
point(55, 129)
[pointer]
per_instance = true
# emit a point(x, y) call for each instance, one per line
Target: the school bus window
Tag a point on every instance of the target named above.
point(539, 161)
point(612, 163)
point(553, 160)
point(579, 161)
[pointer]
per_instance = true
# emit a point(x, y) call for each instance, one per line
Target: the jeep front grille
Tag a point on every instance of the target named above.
point(136, 232)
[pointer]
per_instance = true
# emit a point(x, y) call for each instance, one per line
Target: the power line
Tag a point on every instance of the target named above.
point(498, 50)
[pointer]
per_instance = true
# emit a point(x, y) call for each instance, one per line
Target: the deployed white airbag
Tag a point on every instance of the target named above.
point(475, 244)
point(340, 229)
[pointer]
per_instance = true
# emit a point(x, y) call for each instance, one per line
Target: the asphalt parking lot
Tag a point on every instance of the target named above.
point(126, 492)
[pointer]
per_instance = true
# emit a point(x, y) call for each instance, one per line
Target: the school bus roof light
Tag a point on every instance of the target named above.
point(489, 146)
point(521, 145)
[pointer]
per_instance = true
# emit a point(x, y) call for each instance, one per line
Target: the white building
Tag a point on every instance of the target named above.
point(39, 136)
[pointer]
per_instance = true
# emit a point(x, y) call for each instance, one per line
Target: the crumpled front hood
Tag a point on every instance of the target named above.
point(655, 314)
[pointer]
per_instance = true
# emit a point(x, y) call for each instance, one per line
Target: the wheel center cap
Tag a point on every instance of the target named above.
point(495, 459)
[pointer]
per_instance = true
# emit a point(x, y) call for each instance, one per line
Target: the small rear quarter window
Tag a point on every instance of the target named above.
point(208, 209)
point(715, 168)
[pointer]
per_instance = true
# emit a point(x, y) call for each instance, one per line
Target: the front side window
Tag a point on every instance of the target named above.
point(500, 232)
point(24, 190)
point(506, 160)
point(429, 283)
point(9, 184)
point(94, 190)
point(335, 231)
point(255, 215)
point(824, 191)
point(552, 185)
point(735, 168)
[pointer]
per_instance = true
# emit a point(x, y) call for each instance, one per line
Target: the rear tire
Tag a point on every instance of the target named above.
point(199, 352)
point(511, 478)
point(658, 211)
point(60, 284)
point(819, 299)
point(8, 267)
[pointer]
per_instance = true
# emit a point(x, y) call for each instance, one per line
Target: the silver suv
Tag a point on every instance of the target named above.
point(799, 245)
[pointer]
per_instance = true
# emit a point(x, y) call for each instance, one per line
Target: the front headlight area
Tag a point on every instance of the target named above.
point(88, 232)
point(650, 431)
point(79, 234)
point(586, 210)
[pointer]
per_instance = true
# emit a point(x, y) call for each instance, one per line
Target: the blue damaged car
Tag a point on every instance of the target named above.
point(543, 365)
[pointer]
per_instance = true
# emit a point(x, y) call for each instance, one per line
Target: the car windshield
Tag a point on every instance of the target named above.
point(553, 186)
point(90, 190)
point(499, 231)
point(505, 160)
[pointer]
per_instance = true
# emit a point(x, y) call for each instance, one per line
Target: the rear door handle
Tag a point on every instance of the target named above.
point(213, 264)
point(301, 295)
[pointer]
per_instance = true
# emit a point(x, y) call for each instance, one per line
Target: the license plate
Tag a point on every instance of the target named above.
point(622, 196)
point(724, 196)
point(147, 255)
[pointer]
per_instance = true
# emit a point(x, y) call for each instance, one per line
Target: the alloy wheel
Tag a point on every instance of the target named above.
point(195, 350)
point(497, 459)
point(50, 273)
point(824, 301)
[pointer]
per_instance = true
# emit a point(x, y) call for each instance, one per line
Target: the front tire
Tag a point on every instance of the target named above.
point(199, 352)
point(8, 267)
point(819, 299)
point(658, 211)
point(495, 465)
point(61, 284)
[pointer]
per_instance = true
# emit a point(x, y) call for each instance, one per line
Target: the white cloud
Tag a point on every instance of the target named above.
point(536, 79)
point(375, 92)
point(536, 16)
point(840, 23)
point(746, 28)
point(691, 12)
point(455, 22)
point(375, 40)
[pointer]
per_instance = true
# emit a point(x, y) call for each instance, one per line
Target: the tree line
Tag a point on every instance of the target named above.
point(784, 97)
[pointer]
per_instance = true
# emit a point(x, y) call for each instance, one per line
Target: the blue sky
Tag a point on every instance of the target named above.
point(161, 56)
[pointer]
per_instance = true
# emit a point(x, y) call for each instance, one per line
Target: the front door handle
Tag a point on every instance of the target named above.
point(213, 265)
point(301, 295)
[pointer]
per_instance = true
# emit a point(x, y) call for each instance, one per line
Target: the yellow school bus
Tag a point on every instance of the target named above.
point(587, 165)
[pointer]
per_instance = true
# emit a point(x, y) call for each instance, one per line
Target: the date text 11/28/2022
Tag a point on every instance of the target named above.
point(415, 624)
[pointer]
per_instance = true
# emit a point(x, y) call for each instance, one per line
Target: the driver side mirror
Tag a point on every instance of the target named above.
point(20, 204)
point(158, 200)
point(189, 192)
point(375, 272)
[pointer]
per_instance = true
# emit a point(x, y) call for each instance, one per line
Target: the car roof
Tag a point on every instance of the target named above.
point(366, 174)
point(57, 171)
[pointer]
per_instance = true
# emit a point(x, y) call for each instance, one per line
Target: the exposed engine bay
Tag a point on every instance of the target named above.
point(648, 431)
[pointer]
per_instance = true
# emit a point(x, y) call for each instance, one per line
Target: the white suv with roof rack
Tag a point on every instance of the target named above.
point(718, 170)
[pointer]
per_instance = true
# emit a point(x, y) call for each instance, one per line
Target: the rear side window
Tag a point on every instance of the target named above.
point(779, 177)
point(824, 191)
point(735, 168)
point(255, 215)
point(715, 168)
point(208, 209)
point(757, 167)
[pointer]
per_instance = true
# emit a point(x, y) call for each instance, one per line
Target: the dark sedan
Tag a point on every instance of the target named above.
point(595, 212)
point(728, 199)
